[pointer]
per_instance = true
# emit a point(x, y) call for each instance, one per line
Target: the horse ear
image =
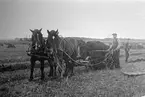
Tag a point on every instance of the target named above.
point(32, 31)
point(40, 29)
point(48, 32)
point(57, 32)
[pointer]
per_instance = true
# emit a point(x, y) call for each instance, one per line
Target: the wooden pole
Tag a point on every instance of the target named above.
point(100, 50)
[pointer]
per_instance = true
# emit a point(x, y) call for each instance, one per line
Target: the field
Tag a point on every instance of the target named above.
point(85, 83)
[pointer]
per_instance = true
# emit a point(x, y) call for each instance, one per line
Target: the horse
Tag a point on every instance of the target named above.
point(38, 52)
point(66, 49)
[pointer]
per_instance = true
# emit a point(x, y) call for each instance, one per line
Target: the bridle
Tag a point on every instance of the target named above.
point(37, 44)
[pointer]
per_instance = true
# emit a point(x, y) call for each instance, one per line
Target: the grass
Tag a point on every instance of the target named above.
point(8, 55)
point(104, 83)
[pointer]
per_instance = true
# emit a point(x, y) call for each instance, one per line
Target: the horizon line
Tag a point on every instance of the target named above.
point(79, 37)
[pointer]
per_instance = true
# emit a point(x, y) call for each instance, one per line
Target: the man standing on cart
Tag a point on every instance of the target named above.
point(115, 51)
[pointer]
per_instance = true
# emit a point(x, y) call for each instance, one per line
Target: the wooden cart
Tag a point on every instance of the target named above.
point(100, 59)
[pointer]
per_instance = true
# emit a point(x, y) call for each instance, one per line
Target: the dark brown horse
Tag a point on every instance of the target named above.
point(38, 52)
point(66, 49)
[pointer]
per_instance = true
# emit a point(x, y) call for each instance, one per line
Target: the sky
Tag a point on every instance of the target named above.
point(73, 18)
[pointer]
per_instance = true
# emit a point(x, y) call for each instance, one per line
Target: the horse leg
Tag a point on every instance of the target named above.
point(71, 68)
point(51, 69)
point(54, 70)
point(66, 72)
point(42, 69)
point(32, 68)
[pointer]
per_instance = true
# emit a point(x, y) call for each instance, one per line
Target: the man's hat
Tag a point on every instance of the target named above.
point(114, 34)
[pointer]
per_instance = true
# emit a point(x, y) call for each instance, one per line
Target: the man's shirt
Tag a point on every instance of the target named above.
point(115, 44)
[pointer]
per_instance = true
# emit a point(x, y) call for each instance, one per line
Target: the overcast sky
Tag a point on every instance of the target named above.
point(80, 18)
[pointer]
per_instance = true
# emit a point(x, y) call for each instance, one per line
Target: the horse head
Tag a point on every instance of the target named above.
point(52, 42)
point(37, 39)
